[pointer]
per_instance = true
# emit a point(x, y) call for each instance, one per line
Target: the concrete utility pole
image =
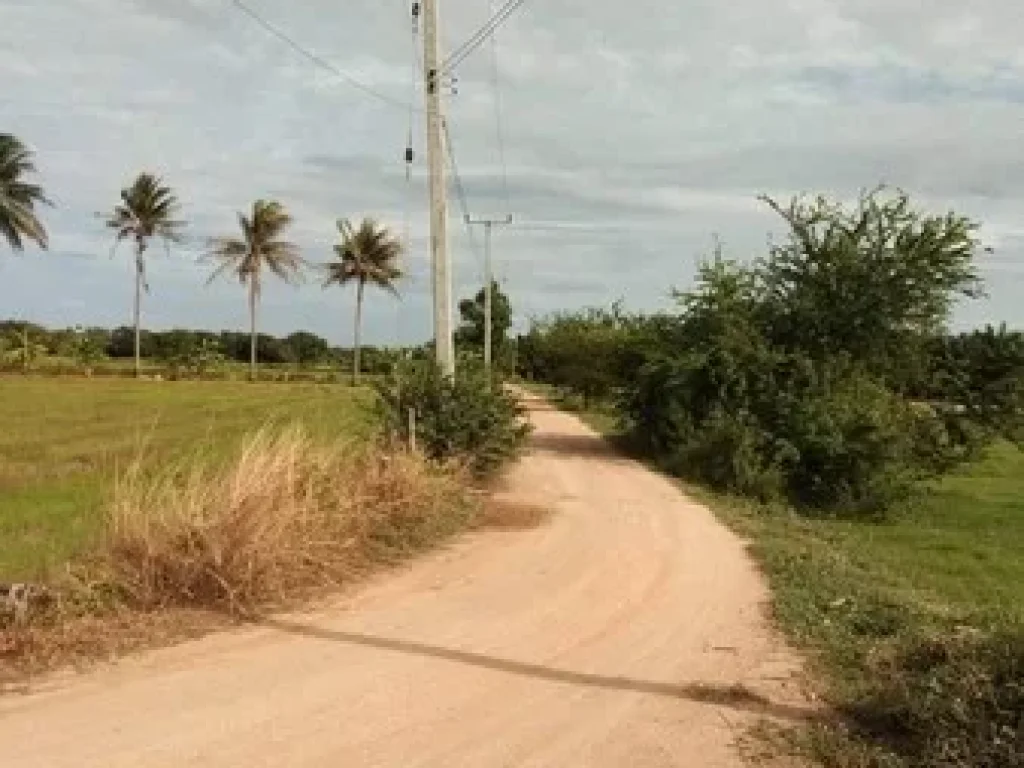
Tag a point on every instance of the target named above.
point(488, 282)
point(440, 259)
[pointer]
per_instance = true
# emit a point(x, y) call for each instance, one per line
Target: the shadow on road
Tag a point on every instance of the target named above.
point(734, 697)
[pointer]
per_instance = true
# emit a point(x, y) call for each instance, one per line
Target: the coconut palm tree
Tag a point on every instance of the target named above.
point(18, 198)
point(366, 255)
point(147, 209)
point(260, 247)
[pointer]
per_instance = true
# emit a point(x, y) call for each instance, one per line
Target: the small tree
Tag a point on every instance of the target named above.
point(870, 281)
point(470, 332)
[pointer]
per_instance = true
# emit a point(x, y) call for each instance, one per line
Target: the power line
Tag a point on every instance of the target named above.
point(316, 59)
point(498, 116)
point(463, 51)
point(460, 194)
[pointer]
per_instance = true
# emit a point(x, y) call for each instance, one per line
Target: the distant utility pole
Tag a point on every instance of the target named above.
point(440, 259)
point(489, 224)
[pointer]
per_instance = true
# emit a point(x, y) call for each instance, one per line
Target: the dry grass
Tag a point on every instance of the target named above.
point(189, 547)
point(286, 516)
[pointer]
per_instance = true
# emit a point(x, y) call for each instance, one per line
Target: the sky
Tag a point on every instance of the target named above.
point(634, 135)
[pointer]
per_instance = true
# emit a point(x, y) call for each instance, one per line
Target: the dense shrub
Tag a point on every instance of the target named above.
point(950, 701)
point(810, 374)
point(469, 418)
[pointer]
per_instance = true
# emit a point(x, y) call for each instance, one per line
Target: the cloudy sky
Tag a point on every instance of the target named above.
point(635, 133)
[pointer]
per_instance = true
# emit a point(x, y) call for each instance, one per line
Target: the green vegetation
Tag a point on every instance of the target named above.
point(65, 439)
point(800, 377)
point(916, 621)
point(471, 335)
point(471, 419)
point(175, 353)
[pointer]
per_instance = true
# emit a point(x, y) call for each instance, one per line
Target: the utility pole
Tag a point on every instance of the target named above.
point(488, 282)
point(440, 259)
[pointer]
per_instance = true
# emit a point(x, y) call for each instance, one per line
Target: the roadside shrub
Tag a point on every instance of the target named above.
point(470, 418)
point(950, 701)
point(851, 446)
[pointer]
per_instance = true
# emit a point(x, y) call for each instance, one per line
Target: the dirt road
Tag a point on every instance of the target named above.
point(614, 635)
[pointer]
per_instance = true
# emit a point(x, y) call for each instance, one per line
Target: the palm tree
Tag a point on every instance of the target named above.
point(147, 210)
point(366, 255)
point(18, 198)
point(260, 246)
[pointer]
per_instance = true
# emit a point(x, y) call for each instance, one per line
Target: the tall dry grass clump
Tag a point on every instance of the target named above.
point(285, 517)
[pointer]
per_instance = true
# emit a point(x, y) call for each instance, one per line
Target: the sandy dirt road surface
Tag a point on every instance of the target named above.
point(613, 635)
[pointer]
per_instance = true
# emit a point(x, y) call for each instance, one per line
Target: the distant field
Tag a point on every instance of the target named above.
point(62, 441)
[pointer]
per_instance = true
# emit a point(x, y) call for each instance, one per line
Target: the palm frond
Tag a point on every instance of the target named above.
point(368, 253)
point(148, 208)
point(19, 198)
point(259, 246)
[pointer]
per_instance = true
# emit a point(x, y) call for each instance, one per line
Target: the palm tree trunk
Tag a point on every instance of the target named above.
point(252, 328)
point(137, 314)
point(358, 326)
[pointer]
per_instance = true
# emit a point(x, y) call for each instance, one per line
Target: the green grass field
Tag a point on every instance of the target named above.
point(951, 554)
point(63, 441)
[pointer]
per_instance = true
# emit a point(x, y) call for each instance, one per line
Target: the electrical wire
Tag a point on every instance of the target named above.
point(460, 194)
point(498, 115)
point(318, 60)
point(463, 51)
point(478, 37)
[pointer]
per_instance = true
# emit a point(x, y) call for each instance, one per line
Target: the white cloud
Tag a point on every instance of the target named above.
point(635, 132)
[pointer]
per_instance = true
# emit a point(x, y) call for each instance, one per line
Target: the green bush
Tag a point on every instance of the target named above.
point(950, 702)
point(470, 418)
point(852, 445)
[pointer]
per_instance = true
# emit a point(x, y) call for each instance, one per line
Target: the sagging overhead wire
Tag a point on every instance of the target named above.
point(498, 115)
point(461, 53)
point(460, 194)
point(318, 60)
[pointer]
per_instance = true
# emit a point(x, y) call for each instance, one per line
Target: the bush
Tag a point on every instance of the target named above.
point(470, 419)
point(950, 701)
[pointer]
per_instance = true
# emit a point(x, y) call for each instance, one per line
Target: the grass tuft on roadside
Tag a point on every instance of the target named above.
point(285, 516)
point(192, 546)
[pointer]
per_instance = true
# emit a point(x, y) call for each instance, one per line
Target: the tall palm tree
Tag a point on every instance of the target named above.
point(147, 209)
point(366, 255)
point(259, 247)
point(18, 198)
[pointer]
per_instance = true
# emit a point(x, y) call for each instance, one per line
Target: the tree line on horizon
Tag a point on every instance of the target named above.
point(148, 211)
